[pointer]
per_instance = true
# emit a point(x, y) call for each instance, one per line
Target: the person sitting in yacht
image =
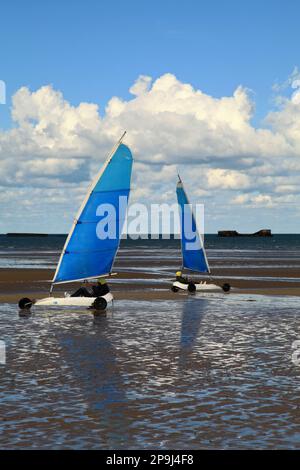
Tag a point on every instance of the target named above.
point(181, 278)
point(89, 289)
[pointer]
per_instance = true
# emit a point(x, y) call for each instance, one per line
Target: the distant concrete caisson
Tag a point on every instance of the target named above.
point(234, 233)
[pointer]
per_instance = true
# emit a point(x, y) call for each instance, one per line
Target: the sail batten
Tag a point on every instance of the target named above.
point(192, 247)
point(89, 252)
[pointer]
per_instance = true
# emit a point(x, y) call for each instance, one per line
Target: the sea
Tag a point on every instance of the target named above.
point(43, 252)
point(194, 372)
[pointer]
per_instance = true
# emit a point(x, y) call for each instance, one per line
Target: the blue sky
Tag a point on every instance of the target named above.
point(91, 51)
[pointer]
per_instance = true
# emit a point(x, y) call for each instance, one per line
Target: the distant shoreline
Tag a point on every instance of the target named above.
point(26, 234)
point(230, 234)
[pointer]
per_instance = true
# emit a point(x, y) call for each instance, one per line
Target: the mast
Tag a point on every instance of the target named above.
point(182, 265)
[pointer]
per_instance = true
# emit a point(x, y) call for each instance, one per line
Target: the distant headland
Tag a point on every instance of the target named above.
point(12, 234)
point(234, 233)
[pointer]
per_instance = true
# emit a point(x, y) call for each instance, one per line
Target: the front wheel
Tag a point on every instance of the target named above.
point(25, 303)
point(174, 289)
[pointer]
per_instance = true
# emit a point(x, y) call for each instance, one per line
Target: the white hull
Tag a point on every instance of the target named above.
point(201, 286)
point(71, 301)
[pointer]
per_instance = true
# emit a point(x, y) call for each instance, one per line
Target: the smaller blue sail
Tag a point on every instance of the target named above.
point(193, 252)
point(94, 239)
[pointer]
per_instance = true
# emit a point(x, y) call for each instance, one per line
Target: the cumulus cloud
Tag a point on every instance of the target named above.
point(170, 125)
point(253, 200)
point(227, 179)
point(141, 85)
point(292, 81)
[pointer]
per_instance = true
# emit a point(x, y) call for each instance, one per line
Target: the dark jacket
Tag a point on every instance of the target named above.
point(183, 280)
point(100, 289)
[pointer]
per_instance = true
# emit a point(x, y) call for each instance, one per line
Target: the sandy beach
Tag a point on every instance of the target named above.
point(35, 283)
point(145, 269)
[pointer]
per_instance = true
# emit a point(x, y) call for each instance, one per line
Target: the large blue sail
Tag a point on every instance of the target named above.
point(94, 239)
point(193, 253)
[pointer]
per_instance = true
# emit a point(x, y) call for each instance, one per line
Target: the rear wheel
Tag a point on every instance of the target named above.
point(226, 287)
point(174, 289)
point(25, 303)
point(99, 303)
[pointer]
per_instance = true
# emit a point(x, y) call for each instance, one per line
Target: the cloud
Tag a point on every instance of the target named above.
point(253, 200)
point(141, 85)
point(227, 179)
point(292, 81)
point(170, 125)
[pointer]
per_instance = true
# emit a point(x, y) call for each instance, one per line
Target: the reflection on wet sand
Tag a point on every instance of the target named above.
point(93, 364)
point(195, 372)
point(193, 311)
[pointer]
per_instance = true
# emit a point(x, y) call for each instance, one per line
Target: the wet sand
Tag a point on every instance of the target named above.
point(138, 285)
point(192, 373)
point(159, 370)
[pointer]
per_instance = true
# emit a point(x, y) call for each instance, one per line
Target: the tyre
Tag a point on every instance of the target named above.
point(25, 303)
point(99, 303)
point(191, 287)
point(226, 287)
point(174, 289)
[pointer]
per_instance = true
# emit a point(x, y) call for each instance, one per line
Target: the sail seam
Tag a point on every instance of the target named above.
point(110, 190)
point(92, 251)
point(78, 221)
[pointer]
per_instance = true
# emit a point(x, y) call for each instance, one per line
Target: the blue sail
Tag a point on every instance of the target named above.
point(193, 253)
point(94, 239)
